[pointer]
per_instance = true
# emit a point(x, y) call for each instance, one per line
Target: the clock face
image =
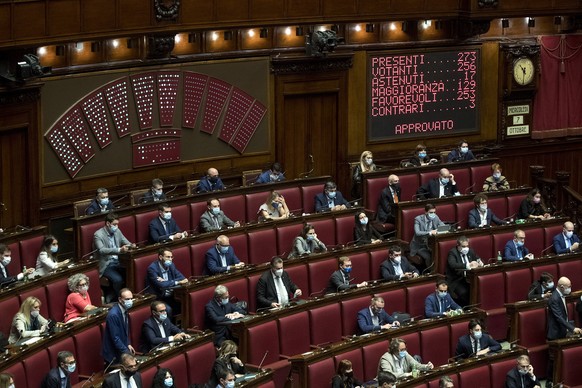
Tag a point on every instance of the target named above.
point(523, 71)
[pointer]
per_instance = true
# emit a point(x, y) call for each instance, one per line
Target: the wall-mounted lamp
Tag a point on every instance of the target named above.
point(504, 23)
point(531, 22)
point(370, 27)
point(264, 34)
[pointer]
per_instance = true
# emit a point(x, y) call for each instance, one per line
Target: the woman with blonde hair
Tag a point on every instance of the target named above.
point(28, 322)
point(79, 300)
point(227, 358)
point(274, 208)
point(366, 164)
point(6, 380)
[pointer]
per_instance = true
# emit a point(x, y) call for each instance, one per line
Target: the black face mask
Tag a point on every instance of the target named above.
point(349, 375)
point(213, 179)
point(129, 372)
point(395, 186)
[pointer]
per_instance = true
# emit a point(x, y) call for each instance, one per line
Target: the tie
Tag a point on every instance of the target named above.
point(395, 196)
point(64, 382)
point(568, 242)
point(216, 223)
point(519, 253)
point(126, 321)
point(441, 310)
point(166, 228)
point(465, 259)
point(281, 290)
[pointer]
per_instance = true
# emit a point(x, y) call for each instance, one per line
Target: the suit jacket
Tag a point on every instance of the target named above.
point(456, 269)
point(431, 189)
point(510, 251)
point(113, 380)
point(337, 381)
point(386, 207)
point(302, 246)
point(322, 204)
point(365, 320)
point(115, 336)
point(456, 156)
point(475, 218)
point(216, 314)
point(53, 379)
point(158, 232)
point(150, 197)
point(5, 280)
point(267, 292)
point(514, 379)
point(214, 264)
point(265, 177)
point(432, 305)
point(465, 348)
point(535, 290)
point(104, 250)
point(151, 335)
point(160, 288)
point(388, 272)
point(362, 236)
point(95, 208)
point(388, 364)
point(220, 364)
point(207, 223)
point(560, 243)
point(558, 323)
point(336, 282)
point(422, 228)
point(205, 186)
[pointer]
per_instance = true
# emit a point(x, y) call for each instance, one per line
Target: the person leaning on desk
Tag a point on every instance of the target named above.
point(28, 322)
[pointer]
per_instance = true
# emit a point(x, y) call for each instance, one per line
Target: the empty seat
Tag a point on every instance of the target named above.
point(127, 227)
point(573, 270)
point(322, 333)
point(88, 361)
point(252, 287)
point(285, 236)
point(446, 213)
point(293, 200)
point(406, 222)
point(140, 265)
point(462, 209)
point(371, 354)
point(182, 260)
point(377, 257)
point(142, 225)
point(427, 176)
point(571, 376)
point(196, 211)
point(463, 179)
point(491, 295)
point(482, 247)
point(372, 188)
point(196, 304)
point(198, 256)
point(535, 241)
point(513, 204)
point(415, 298)
point(262, 245)
point(58, 292)
point(252, 202)
point(85, 238)
point(442, 253)
point(476, 377)
point(240, 245)
point(181, 214)
point(36, 367)
point(298, 274)
point(435, 345)
point(319, 274)
point(349, 309)
point(147, 376)
point(137, 317)
point(308, 194)
point(319, 373)
point(478, 176)
point(498, 206)
point(234, 208)
point(499, 241)
point(294, 334)
point(29, 249)
point(94, 289)
point(199, 363)
point(9, 308)
point(360, 267)
point(344, 229)
point(325, 230)
point(262, 338)
point(409, 183)
point(517, 284)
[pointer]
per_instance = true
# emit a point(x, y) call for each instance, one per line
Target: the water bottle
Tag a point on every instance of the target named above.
point(499, 258)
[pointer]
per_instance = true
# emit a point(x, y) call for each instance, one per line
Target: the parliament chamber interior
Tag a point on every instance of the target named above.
point(391, 154)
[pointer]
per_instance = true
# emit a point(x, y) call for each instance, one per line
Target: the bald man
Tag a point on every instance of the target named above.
point(567, 241)
point(442, 186)
point(558, 321)
point(389, 198)
point(211, 182)
point(221, 257)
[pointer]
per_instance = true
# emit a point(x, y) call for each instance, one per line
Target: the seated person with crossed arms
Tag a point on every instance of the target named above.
point(275, 286)
point(374, 318)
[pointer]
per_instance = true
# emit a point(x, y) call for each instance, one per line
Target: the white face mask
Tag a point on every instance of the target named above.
point(483, 207)
point(465, 250)
point(6, 260)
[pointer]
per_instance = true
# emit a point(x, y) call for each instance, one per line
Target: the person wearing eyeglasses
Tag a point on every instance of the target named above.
point(59, 376)
point(79, 300)
point(221, 257)
point(399, 362)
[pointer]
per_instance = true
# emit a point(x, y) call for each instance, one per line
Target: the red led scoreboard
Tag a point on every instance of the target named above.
point(423, 93)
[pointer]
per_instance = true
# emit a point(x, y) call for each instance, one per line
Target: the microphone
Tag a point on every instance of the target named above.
point(469, 188)
point(510, 218)
point(545, 250)
point(308, 173)
point(355, 242)
point(171, 191)
point(108, 365)
point(152, 350)
point(90, 253)
point(513, 343)
point(470, 306)
point(3, 206)
point(455, 225)
point(334, 247)
point(117, 200)
point(226, 187)
point(264, 309)
point(140, 293)
point(320, 292)
point(22, 228)
point(292, 212)
point(354, 202)
point(88, 380)
point(260, 367)
point(427, 269)
point(411, 320)
point(454, 359)
point(418, 196)
point(321, 345)
point(349, 281)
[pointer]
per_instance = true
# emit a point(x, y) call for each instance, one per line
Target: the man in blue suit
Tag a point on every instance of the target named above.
point(211, 182)
point(275, 174)
point(158, 329)
point(480, 215)
point(116, 334)
point(101, 203)
point(162, 277)
point(566, 241)
point(219, 311)
point(396, 266)
point(60, 375)
point(476, 343)
point(460, 154)
point(558, 323)
point(374, 318)
point(221, 257)
point(440, 302)
point(515, 250)
point(164, 227)
point(330, 199)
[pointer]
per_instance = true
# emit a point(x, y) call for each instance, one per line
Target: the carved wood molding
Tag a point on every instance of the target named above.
point(160, 46)
point(488, 3)
point(19, 96)
point(166, 9)
point(305, 64)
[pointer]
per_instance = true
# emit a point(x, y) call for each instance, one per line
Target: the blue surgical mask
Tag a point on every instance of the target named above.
point(223, 250)
point(444, 181)
point(477, 334)
point(422, 155)
point(464, 150)
point(275, 205)
point(496, 175)
point(364, 221)
point(104, 201)
point(216, 210)
point(167, 263)
point(168, 216)
point(158, 193)
point(54, 248)
point(402, 354)
point(331, 194)
point(128, 304)
point(163, 316)
point(169, 382)
point(347, 270)
point(431, 215)
point(310, 237)
point(519, 243)
point(224, 301)
point(229, 384)
point(71, 367)
point(443, 294)
point(114, 228)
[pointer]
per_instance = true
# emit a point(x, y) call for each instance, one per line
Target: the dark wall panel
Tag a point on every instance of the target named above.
point(69, 12)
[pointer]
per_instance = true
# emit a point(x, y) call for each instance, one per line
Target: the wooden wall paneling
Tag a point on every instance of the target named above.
point(372, 6)
point(98, 15)
point(339, 8)
point(227, 10)
point(5, 22)
point(29, 20)
point(266, 9)
point(303, 8)
point(68, 13)
point(192, 12)
point(134, 14)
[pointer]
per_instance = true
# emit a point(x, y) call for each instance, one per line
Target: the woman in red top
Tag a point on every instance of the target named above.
point(78, 300)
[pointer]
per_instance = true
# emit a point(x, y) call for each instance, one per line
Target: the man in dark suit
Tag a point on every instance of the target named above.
point(219, 311)
point(442, 186)
point(522, 376)
point(558, 324)
point(425, 225)
point(211, 182)
point(542, 288)
point(461, 153)
point(330, 199)
point(101, 203)
point(566, 241)
point(481, 215)
point(476, 343)
point(388, 201)
point(221, 257)
point(128, 373)
point(162, 276)
point(158, 329)
point(116, 334)
point(275, 286)
point(515, 250)
point(439, 303)
point(396, 266)
point(214, 219)
point(340, 279)
point(59, 377)
point(156, 193)
point(164, 227)
point(374, 318)
point(460, 260)
point(5, 259)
